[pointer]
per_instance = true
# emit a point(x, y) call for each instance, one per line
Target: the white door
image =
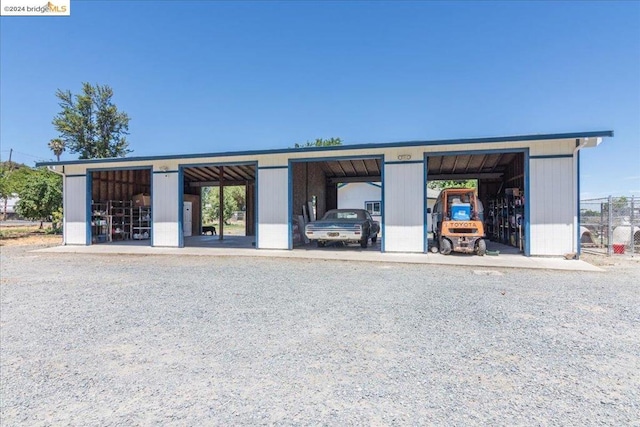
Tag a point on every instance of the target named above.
point(186, 219)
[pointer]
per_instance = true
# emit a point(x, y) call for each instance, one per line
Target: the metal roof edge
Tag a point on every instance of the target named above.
point(515, 138)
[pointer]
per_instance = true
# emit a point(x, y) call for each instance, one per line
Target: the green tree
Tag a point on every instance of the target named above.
point(58, 146)
point(455, 183)
point(11, 174)
point(90, 124)
point(319, 142)
point(40, 193)
point(234, 200)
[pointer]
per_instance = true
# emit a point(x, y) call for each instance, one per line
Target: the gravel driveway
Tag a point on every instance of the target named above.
point(111, 340)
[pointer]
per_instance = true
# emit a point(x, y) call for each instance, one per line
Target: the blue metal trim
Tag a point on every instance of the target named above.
point(183, 166)
point(272, 167)
point(290, 204)
point(330, 158)
point(374, 184)
point(121, 168)
point(256, 211)
point(525, 151)
point(384, 204)
point(322, 159)
point(553, 156)
point(89, 196)
point(527, 206)
point(148, 167)
point(181, 207)
point(407, 162)
point(162, 172)
point(514, 138)
point(79, 175)
point(240, 163)
point(342, 184)
point(479, 151)
point(425, 225)
point(578, 236)
point(151, 225)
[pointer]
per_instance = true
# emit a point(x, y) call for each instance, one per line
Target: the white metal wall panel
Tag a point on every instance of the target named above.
point(164, 210)
point(404, 198)
point(551, 206)
point(75, 210)
point(273, 208)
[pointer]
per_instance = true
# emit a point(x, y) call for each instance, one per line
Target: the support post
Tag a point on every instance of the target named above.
point(221, 210)
point(610, 228)
point(632, 243)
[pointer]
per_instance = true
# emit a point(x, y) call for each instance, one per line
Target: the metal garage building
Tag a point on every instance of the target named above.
point(544, 167)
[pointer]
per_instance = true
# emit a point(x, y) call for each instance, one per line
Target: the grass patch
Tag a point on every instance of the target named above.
point(235, 228)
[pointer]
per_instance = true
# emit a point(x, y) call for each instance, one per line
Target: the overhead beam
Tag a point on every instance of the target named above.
point(373, 178)
point(197, 173)
point(466, 169)
point(456, 176)
point(497, 162)
point(364, 165)
point(216, 183)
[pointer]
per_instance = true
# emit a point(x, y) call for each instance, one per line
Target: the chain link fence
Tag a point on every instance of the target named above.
point(610, 225)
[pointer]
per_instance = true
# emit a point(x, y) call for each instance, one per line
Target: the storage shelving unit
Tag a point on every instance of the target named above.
point(505, 223)
point(141, 222)
point(100, 224)
point(120, 216)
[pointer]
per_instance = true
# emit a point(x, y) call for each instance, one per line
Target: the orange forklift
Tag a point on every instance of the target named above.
point(457, 220)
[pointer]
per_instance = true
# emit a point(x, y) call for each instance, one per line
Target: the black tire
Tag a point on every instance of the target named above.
point(445, 246)
point(374, 238)
point(320, 244)
point(482, 248)
point(364, 242)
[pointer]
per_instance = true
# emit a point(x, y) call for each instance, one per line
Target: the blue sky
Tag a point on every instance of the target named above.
point(208, 76)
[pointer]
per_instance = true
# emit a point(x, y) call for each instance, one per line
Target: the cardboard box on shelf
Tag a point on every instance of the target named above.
point(512, 192)
point(141, 200)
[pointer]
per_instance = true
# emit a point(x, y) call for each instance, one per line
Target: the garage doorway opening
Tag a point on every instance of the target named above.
point(323, 184)
point(120, 206)
point(219, 205)
point(498, 179)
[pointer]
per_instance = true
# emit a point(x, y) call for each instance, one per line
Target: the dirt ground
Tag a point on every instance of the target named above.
point(32, 240)
point(17, 234)
point(612, 261)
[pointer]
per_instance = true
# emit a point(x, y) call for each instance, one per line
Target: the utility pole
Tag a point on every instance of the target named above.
point(4, 211)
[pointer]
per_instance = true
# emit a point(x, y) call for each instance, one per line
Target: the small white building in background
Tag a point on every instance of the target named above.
point(10, 211)
point(361, 195)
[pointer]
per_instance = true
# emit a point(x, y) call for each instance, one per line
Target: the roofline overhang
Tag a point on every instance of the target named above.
point(596, 135)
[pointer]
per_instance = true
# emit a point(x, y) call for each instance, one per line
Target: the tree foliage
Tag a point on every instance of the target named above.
point(40, 193)
point(460, 183)
point(90, 123)
point(319, 142)
point(58, 146)
point(10, 176)
point(234, 200)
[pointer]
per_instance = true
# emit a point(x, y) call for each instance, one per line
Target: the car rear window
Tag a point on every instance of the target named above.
point(344, 215)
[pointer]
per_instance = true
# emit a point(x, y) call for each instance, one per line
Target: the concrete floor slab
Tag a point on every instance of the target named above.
point(349, 254)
